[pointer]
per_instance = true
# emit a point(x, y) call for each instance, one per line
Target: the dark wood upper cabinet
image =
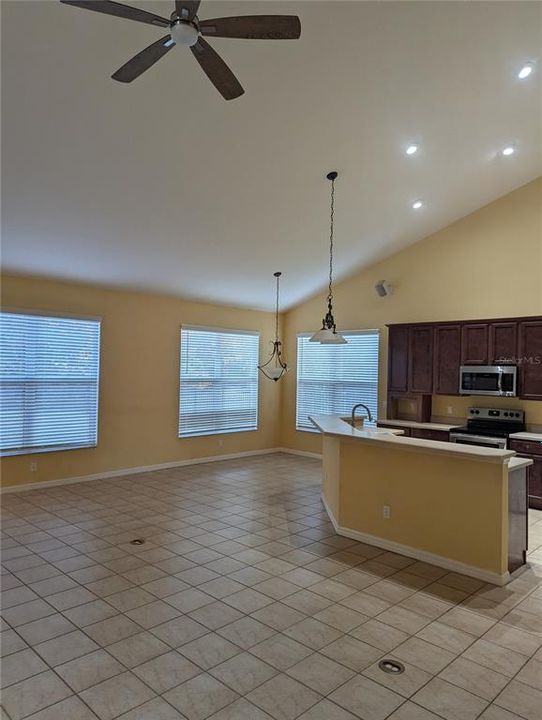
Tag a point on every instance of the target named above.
point(475, 344)
point(503, 343)
point(530, 359)
point(424, 358)
point(398, 358)
point(447, 359)
point(420, 359)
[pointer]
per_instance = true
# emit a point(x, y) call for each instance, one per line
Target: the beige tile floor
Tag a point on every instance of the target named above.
point(243, 604)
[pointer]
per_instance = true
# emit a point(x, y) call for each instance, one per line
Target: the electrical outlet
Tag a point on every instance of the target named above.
point(386, 512)
point(220, 442)
point(33, 466)
point(449, 409)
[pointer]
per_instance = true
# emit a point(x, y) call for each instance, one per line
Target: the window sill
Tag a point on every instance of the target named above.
point(52, 448)
point(216, 432)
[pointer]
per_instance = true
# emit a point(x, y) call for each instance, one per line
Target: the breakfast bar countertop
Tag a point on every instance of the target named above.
point(420, 425)
point(338, 427)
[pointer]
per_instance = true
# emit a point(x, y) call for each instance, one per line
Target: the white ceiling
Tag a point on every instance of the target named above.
point(163, 185)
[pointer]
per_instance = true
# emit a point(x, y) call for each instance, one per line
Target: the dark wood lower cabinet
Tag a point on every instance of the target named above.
point(533, 451)
point(534, 475)
point(424, 434)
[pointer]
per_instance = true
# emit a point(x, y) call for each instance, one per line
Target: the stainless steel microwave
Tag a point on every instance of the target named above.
point(488, 380)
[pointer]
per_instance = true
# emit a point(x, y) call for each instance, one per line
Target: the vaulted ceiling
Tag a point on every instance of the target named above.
point(162, 185)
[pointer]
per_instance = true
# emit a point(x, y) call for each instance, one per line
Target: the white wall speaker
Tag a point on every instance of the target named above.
point(383, 288)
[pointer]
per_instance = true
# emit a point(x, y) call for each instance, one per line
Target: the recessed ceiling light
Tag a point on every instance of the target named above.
point(508, 150)
point(412, 149)
point(525, 71)
point(417, 205)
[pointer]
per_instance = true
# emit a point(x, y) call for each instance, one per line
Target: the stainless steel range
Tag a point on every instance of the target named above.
point(489, 427)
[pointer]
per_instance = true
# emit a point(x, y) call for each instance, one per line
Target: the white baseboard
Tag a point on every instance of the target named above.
point(418, 554)
point(149, 468)
point(302, 453)
point(134, 470)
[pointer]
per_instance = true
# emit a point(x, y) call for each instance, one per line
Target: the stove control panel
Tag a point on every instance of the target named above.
point(497, 414)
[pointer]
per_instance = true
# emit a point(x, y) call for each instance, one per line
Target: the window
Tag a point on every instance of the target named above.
point(49, 370)
point(219, 381)
point(331, 379)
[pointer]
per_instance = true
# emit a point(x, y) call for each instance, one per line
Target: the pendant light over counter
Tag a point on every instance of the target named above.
point(328, 335)
point(275, 367)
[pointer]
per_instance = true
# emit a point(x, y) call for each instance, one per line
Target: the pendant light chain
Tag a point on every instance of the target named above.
point(328, 334)
point(332, 215)
point(275, 367)
point(277, 275)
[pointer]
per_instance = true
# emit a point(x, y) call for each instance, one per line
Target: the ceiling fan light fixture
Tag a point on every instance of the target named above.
point(186, 29)
point(184, 33)
point(275, 367)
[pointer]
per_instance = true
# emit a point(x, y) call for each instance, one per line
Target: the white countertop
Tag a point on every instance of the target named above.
point(515, 463)
point(534, 437)
point(335, 426)
point(420, 425)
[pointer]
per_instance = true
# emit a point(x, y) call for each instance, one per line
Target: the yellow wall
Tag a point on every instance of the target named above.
point(426, 493)
point(139, 379)
point(488, 264)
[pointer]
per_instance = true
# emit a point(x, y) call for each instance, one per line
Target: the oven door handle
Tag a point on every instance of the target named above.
point(482, 438)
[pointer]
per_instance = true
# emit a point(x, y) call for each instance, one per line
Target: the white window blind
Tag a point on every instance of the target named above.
point(219, 381)
point(49, 369)
point(331, 379)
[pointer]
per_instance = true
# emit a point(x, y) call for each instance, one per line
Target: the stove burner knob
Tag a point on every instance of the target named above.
point(506, 414)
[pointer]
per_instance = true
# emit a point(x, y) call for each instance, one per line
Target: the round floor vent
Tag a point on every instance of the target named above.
point(391, 666)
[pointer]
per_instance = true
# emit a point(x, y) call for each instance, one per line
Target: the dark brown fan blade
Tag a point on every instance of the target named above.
point(254, 27)
point(120, 10)
point(216, 70)
point(143, 60)
point(187, 9)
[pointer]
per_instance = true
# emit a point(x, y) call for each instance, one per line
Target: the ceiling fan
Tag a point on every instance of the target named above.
point(185, 28)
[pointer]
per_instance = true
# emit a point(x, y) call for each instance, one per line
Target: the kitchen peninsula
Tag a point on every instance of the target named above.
point(463, 508)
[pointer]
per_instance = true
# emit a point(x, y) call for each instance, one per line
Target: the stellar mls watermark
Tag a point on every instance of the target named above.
point(523, 360)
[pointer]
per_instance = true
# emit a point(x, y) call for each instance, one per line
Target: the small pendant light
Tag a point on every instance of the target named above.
point(275, 367)
point(328, 334)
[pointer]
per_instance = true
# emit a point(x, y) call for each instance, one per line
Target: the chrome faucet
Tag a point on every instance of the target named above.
point(369, 416)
